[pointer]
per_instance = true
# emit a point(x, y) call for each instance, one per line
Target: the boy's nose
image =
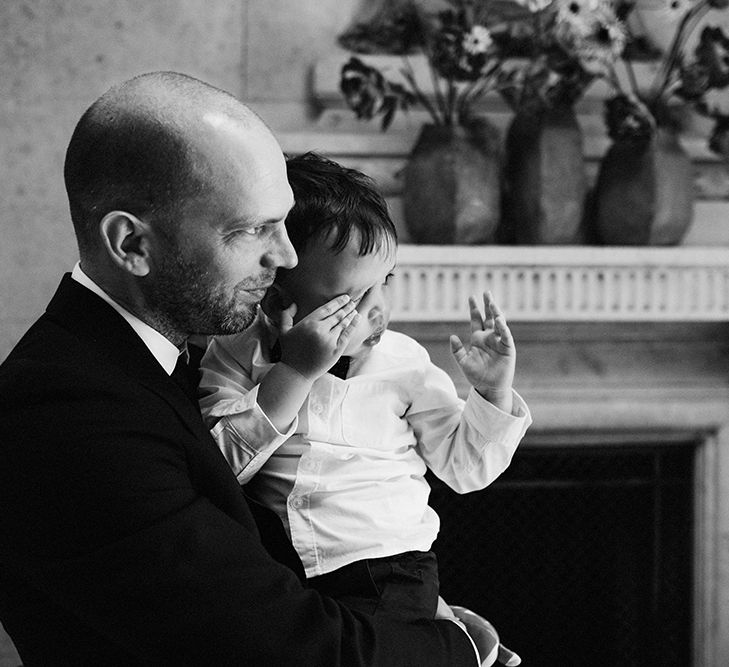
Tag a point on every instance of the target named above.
point(376, 318)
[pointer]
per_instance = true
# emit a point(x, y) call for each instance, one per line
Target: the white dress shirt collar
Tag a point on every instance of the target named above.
point(163, 350)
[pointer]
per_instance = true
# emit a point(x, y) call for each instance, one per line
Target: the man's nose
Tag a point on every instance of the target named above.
point(281, 253)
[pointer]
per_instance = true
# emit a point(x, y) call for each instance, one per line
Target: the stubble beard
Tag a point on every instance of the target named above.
point(183, 299)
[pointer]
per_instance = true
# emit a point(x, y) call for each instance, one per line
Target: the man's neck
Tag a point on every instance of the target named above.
point(133, 302)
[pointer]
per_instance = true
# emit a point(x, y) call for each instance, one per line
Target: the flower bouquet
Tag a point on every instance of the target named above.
point(551, 54)
point(644, 190)
point(556, 49)
point(461, 57)
point(451, 181)
point(681, 80)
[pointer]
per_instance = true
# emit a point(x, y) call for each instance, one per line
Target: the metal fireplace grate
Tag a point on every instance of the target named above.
point(579, 555)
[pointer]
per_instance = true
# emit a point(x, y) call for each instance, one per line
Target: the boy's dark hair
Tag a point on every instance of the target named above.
point(330, 201)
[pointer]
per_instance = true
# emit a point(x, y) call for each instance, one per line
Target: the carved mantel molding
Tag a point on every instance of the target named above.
point(570, 283)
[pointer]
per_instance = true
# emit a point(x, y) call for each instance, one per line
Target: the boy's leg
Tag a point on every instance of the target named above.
point(405, 585)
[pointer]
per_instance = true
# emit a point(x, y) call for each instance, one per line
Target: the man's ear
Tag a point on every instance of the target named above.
point(127, 241)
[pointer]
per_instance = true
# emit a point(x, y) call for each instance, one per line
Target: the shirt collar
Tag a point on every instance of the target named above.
point(163, 350)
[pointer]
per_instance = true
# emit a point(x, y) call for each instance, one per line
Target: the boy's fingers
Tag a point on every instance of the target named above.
point(287, 318)
point(491, 309)
point(343, 317)
point(503, 330)
point(335, 305)
point(349, 325)
point(492, 306)
point(459, 352)
point(477, 323)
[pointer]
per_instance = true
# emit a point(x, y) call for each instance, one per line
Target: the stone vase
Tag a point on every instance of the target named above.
point(644, 192)
point(451, 191)
point(544, 183)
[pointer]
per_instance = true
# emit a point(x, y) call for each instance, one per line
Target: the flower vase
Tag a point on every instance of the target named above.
point(644, 191)
point(544, 183)
point(451, 192)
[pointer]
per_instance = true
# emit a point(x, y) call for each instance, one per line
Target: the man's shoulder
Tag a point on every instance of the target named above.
point(51, 360)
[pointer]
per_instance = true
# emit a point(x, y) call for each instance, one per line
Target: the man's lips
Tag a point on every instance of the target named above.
point(258, 291)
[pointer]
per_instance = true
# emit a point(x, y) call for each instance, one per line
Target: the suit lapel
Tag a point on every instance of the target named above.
point(100, 328)
point(95, 322)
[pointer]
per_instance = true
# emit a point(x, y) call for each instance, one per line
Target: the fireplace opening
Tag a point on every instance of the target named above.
point(579, 555)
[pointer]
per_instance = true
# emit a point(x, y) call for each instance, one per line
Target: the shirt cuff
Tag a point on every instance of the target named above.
point(259, 432)
point(477, 409)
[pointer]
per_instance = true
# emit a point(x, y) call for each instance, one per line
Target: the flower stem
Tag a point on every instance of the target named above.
point(439, 97)
point(475, 89)
point(409, 75)
point(630, 70)
point(451, 103)
point(694, 14)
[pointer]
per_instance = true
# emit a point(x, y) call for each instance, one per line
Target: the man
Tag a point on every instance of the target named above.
point(124, 537)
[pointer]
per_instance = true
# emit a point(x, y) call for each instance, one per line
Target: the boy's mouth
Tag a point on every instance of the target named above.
point(373, 339)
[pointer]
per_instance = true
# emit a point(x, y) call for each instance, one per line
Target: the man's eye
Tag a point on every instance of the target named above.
point(245, 231)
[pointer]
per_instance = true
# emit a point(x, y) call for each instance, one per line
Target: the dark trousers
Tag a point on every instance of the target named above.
point(405, 585)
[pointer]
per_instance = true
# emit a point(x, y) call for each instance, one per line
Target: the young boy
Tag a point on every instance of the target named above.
point(331, 419)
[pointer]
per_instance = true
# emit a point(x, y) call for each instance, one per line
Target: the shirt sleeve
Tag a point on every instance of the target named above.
point(229, 405)
point(466, 444)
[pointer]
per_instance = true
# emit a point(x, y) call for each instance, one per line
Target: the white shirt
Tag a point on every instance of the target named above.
point(347, 478)
point(163, 350)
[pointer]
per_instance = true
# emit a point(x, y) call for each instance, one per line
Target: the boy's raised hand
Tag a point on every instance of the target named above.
point(490, 360)
point(314, 344)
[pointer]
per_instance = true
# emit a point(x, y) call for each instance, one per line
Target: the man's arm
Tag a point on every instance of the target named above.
point(129, 523)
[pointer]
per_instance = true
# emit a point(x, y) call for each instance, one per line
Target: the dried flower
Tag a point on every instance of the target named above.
point(536, 53)
point(461, 54)
point(370, 94)
point(564, 46)
point(712, 56)
point(627, 118)
point(678, 80)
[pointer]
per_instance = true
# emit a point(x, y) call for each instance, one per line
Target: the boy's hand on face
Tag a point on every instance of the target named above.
point(490, 360)
point(314, 344)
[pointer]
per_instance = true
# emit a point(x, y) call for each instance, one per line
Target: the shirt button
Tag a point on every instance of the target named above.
point(297, 502)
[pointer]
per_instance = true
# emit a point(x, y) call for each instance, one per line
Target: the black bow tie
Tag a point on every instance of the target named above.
point(340, 369)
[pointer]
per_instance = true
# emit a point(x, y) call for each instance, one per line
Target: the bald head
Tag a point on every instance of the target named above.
point(140, 148)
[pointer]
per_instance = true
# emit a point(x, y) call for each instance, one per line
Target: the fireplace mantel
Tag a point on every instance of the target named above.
point(569, 283)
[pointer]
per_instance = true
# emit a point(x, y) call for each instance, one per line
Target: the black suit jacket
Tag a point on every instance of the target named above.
point(125, 538)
